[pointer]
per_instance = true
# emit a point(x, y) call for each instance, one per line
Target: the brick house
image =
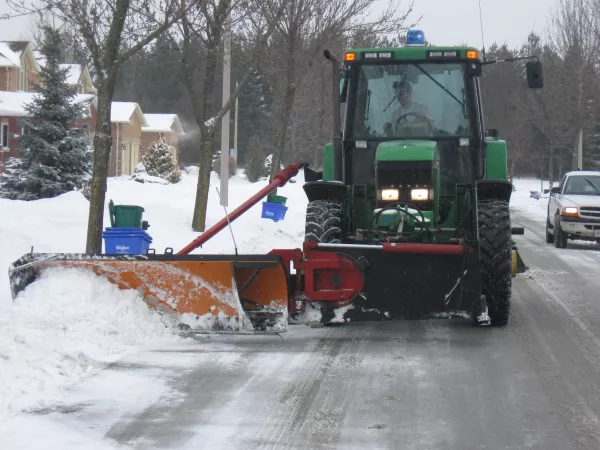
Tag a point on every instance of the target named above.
point(18, 66)
point(131, 130)
point(127, 121)
point(12, 111)
point(19, 70)
point(160, 126)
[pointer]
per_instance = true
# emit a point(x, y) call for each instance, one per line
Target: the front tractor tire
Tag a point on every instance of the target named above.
point(495, 242)
point(323, 225)
point(323, 222)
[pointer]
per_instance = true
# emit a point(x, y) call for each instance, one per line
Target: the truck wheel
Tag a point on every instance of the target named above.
point(495, 244)
point(560, 237)
point(323, 219)
point(549, 236)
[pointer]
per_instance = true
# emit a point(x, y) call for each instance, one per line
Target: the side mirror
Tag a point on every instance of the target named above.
point(535, 75)
point(555, 190)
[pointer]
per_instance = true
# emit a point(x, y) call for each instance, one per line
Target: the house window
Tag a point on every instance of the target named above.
point(21, 86)
point(4, 135)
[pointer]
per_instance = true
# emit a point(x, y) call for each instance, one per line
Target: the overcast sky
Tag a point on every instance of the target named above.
point(445, 22)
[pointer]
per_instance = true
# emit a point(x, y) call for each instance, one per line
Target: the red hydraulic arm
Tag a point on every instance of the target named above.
point(278, 181)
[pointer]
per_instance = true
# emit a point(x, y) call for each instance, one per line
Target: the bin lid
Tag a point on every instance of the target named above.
point(115, 231)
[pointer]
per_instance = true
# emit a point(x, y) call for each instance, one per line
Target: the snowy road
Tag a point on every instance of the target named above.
point(407, 385)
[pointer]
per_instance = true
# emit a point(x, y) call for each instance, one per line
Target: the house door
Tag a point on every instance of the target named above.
point(135, 156)
point(125, 158)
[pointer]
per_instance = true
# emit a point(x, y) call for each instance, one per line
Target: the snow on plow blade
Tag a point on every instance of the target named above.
point(197, 293)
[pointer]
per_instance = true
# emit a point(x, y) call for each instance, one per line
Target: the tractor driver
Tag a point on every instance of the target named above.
point(405, 105)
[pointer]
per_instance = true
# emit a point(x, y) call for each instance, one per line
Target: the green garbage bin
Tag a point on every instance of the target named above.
point(125, 216)
point(278, 199)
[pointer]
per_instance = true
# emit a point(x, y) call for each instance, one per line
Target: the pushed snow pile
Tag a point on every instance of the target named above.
point(67, 325)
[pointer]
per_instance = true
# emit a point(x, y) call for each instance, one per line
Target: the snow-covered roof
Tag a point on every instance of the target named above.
point(10, 54)
point(162, 123)
point(122, 112)
point(39, 58)
point(12, 104)
point(73, 74)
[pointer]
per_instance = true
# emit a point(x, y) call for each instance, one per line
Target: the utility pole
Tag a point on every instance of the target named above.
point(225, 121)
point(235, 129)
point(580, 150)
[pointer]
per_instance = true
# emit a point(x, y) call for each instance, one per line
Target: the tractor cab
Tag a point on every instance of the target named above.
point(411, 131)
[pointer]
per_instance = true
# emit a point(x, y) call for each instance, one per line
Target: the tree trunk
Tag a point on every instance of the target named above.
point(102, 148)
point(203, 185)
point(574, 154)
point(551, 165)
point(206, 141)
point(561, 167)
point(284, 116)
point(542, 173)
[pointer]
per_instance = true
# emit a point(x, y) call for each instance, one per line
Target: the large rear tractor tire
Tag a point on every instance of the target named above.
point(323, 222)
point(496, 247)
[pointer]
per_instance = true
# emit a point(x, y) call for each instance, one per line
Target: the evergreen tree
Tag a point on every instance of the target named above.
point(55, 156)
point(255, 169)
point(254, 114)
point(159, 161)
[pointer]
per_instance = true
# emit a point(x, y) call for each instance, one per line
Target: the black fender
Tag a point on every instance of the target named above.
point(499, 190)
point(494, 189)
point(326, 190)
point(311, 175)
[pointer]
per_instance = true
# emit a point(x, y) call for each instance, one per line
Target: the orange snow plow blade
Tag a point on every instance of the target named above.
point(197, 293)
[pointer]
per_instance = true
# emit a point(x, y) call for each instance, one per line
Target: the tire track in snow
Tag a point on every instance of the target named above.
point(291, 412)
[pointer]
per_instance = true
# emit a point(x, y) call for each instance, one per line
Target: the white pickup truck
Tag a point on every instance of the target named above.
point(574, 209)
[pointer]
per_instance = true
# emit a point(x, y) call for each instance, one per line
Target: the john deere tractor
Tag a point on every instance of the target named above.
point(414, 188)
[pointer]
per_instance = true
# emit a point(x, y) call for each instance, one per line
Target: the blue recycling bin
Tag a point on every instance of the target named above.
point(126, 241)
point(273, 211)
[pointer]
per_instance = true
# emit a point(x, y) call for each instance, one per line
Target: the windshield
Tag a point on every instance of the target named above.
point(411, 100)
point(582, 185)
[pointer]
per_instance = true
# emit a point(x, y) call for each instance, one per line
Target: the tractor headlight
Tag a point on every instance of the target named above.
point(390, 194)
point(419, 194)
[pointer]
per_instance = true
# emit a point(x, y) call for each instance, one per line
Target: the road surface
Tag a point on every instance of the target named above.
point(439, 384)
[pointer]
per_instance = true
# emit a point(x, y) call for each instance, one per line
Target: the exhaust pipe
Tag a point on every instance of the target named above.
point(337, 127)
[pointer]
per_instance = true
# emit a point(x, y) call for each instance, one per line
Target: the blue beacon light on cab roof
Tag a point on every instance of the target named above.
point(415, 37)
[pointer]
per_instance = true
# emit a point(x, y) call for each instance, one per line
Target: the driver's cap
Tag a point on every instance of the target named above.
point(402, 85)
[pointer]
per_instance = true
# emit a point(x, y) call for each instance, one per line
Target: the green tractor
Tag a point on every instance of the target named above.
point(414, 188)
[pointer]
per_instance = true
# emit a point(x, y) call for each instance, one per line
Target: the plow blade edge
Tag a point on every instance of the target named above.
point(194, 292)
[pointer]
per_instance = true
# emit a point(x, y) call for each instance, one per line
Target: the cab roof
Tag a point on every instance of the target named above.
point(417, 52)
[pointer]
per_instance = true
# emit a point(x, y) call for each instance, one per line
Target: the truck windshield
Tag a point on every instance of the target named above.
point(582, 185)
point(411, 100)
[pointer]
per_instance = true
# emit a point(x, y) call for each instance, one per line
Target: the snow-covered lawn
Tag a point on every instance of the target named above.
point(69, 325)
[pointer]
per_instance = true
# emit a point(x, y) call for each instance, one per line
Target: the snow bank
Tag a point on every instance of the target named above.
point(65, 326)
point(70, 324)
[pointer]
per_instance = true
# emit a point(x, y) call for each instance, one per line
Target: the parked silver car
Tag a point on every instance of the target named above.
point(574, 209)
